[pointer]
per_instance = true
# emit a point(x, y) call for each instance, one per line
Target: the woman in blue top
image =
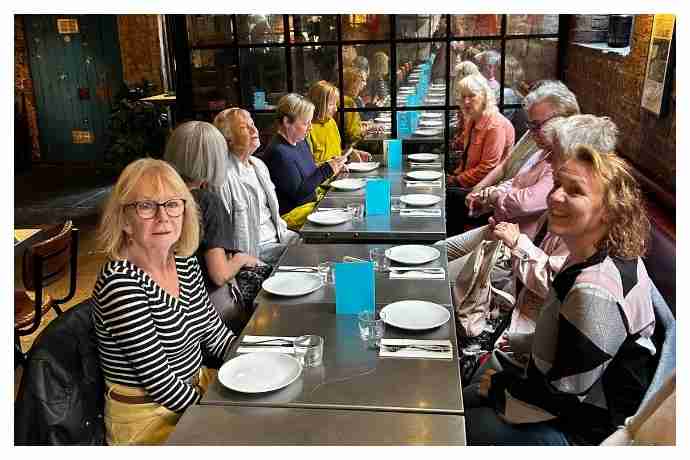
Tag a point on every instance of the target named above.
point(291, 163)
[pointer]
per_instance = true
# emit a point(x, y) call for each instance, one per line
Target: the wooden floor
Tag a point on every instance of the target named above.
point(49, 195)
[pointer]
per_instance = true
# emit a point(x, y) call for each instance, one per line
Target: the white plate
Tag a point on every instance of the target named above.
point(412, 254)
point(329, 217)
point(423, 157)
point(431, 123)
point(434, 100)
point(427, 132)
point(420, 199)
point(432, 115)
point(414, 315)
point(292, 284)
point(259, 372)
point(424, 175)
point(383, 120)
point(363, 166)
point(348, 184)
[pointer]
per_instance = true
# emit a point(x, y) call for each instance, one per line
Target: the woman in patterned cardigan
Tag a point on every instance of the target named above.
point(591, 351)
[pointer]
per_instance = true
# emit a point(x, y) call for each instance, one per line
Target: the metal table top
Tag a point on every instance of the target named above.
point(352, 376)
point(387, 290)
point(226, 425)
point(380, 229)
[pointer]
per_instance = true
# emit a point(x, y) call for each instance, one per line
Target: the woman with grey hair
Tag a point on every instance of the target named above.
point(197, 150)
point(248, 193)
point(291, 163)
point(486, 138)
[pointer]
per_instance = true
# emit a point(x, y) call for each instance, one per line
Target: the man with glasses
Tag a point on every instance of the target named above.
point(523, 179)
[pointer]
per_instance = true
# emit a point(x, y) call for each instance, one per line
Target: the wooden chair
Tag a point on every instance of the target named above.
point(44, 264)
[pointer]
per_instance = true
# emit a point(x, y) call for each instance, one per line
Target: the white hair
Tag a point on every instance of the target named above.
point(556, 94)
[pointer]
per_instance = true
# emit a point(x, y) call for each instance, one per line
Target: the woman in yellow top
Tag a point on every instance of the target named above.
point(323, 137)
point(354, 82)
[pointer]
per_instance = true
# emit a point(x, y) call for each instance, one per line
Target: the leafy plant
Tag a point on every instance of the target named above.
point(136, 129)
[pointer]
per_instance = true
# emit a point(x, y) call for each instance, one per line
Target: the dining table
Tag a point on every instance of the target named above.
point(305, 258)
point(353, 375)
point(269, 426)
point(426, 226)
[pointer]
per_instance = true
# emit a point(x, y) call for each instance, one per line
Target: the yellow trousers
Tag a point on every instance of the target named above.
point(296, 218)
point(142, 424)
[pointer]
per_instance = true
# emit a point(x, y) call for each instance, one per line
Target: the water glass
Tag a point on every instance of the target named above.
point(378, 257)
point(370, 328)
point(327, 272)
point(356, 210)
point(309, 350)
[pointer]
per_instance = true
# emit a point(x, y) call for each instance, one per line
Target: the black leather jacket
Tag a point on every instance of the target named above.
point(60, 400)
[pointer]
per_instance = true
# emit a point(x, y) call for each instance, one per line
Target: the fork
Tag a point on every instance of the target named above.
point(290, 341)
point(432, 348)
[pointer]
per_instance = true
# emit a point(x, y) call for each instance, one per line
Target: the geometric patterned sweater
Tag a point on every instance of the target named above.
point(592, 356)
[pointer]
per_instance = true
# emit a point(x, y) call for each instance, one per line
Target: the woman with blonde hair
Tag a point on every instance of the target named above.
point(291, 164)
point(591, 351)
point(152, 315)
point(354, 82)
point(323, 136)
point(487, 137)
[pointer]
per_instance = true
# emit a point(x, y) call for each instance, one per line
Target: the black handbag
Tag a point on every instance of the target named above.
point(249, 280)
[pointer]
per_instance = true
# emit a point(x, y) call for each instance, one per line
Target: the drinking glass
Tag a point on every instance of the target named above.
point(378, 257)
point(327, 272)
point(356, 210)
point(309, 350)
point(370, 328)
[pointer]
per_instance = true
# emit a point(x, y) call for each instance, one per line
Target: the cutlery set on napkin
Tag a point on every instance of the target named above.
point(416, 348)
point(422, 183)
point(425, 165)
point(417, 273)
point(420, 212)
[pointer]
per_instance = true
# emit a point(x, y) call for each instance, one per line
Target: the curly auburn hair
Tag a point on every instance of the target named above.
point(627, 219)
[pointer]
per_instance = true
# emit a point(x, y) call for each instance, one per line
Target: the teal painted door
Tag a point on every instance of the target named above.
point(75, 77)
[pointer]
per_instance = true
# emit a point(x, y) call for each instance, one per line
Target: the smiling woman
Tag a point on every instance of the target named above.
point(591, 349)
point(152, 369)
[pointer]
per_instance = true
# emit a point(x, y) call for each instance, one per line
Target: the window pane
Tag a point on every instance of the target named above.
point(374, 64)
point(379, 124)
point(420, 26)
point(475, 25)
point(309, 28)
point(263, 69)
point(523, 24)
point(209, 29)
point(365, 26)
point(311, 64)
point(214, 79)
point(527, 62)
point(260, 28)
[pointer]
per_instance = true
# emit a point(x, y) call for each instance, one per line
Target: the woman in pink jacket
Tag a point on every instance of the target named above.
point(487, 138)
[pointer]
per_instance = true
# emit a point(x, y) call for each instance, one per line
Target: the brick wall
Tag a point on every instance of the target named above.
point(23, 85)
point(610, 84)
point(140, 48)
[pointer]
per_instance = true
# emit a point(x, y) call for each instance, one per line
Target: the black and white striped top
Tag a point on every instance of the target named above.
point(148, 338)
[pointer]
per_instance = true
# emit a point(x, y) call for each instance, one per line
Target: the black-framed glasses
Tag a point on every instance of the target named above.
point(538, 125)
point(147, 209)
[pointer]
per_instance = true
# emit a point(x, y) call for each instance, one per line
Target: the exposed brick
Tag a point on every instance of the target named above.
point(611, 85)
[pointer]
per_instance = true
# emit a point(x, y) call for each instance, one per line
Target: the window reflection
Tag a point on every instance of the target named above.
point(209, 29)
point(365, 26)
point(421, 26)
point(263, 69)
point(310, 28)
point(260, 28)
point(522, 24)
point(311, 64)
point(214, 79)
point(475, 25)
